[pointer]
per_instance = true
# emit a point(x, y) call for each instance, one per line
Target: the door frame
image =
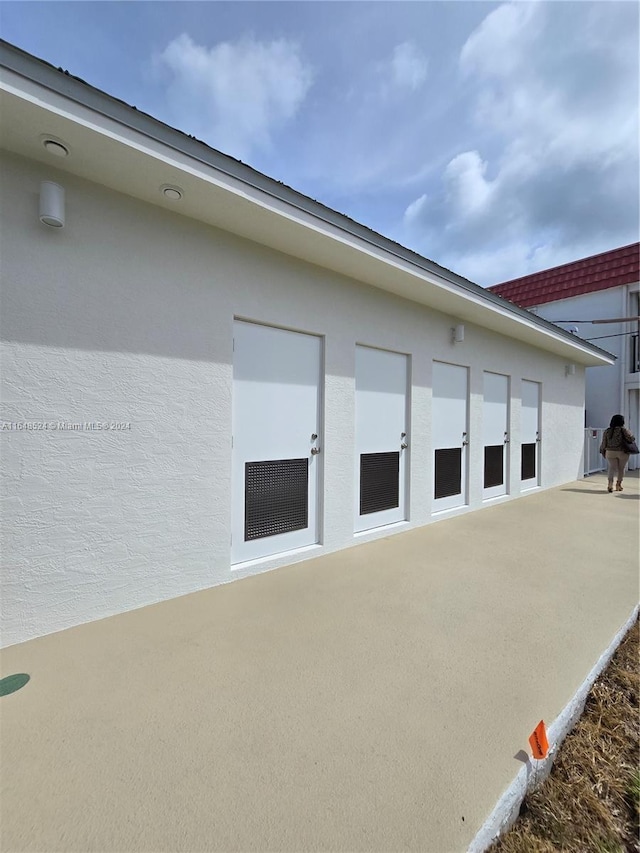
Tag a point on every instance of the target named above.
point(318, 460)
point(532, 482)
point(459, 500)
point(503, 489)
point(405, 454)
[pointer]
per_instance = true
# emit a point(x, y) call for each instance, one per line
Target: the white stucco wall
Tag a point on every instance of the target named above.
point(126, 315)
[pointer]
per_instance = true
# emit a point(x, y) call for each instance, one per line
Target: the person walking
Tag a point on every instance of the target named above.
point(612, 448)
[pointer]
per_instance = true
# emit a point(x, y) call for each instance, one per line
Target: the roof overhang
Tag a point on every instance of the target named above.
point(115, 145)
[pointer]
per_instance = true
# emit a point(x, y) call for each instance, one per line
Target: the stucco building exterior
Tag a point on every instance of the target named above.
point(207, 375)
point(596, 298)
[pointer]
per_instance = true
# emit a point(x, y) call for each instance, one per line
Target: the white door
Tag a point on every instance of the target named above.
point(495, 434)
point(450, 439)
point(381, 437)
point(530, 434)
point(276, 440)
point(633, 425)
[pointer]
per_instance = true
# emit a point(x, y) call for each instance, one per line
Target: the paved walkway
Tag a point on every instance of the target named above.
point(369, 700)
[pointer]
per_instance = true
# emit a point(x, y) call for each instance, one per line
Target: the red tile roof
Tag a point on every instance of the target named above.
point(599, 272)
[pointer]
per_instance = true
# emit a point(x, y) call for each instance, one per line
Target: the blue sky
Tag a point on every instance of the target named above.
point(494, 138)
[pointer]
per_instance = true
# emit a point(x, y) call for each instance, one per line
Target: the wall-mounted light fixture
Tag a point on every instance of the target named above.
point(51, 204)
point(457, 334)
point(569, 370)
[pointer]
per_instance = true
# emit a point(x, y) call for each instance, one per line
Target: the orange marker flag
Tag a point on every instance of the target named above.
point(538, 741)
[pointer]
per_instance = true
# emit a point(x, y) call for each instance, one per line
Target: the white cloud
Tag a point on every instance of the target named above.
point(495, 263)
point(538, 93)
point(408, 66)
point(413, 211)
point(520, 257)
point(235, 95)
point(513, 259)
point(495, 47)
point(554, 94)
point(404, 71)
point(467, 188)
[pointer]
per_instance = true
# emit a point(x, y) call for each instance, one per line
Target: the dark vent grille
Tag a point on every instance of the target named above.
point(276, 497)
point(493, 465)
point(528, 466)
point(379, 482)
point(448, 474)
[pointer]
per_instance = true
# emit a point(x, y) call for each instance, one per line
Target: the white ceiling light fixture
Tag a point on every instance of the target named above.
point(55, 146)
point(171, 192)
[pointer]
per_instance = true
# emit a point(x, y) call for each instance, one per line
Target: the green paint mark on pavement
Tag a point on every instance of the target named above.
point(13, 682)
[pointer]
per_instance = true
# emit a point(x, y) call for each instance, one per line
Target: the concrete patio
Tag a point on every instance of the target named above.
point(369, 700)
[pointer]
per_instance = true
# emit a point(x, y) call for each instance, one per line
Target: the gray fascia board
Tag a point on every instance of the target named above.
point(63, 83)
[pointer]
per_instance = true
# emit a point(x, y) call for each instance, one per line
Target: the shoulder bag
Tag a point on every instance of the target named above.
point(629, 446)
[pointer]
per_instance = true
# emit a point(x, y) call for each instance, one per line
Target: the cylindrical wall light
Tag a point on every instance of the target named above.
point(458, 333)
point(51, 204)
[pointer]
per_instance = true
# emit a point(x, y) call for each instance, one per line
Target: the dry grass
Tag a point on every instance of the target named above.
point(591, 801)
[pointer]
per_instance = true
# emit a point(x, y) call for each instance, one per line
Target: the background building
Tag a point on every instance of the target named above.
point(604, 287)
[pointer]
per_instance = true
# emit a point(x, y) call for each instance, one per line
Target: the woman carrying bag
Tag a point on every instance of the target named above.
point(617, 444)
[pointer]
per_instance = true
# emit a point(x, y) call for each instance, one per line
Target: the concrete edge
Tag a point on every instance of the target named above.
point(506, 811)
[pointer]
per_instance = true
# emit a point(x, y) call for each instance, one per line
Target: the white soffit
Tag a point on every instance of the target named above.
point(129, 161)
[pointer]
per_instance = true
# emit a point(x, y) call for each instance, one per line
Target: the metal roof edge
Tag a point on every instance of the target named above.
point(63, 83)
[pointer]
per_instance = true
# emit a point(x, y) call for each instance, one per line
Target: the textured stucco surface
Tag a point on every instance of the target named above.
point(126, 315)
point(371, 699)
